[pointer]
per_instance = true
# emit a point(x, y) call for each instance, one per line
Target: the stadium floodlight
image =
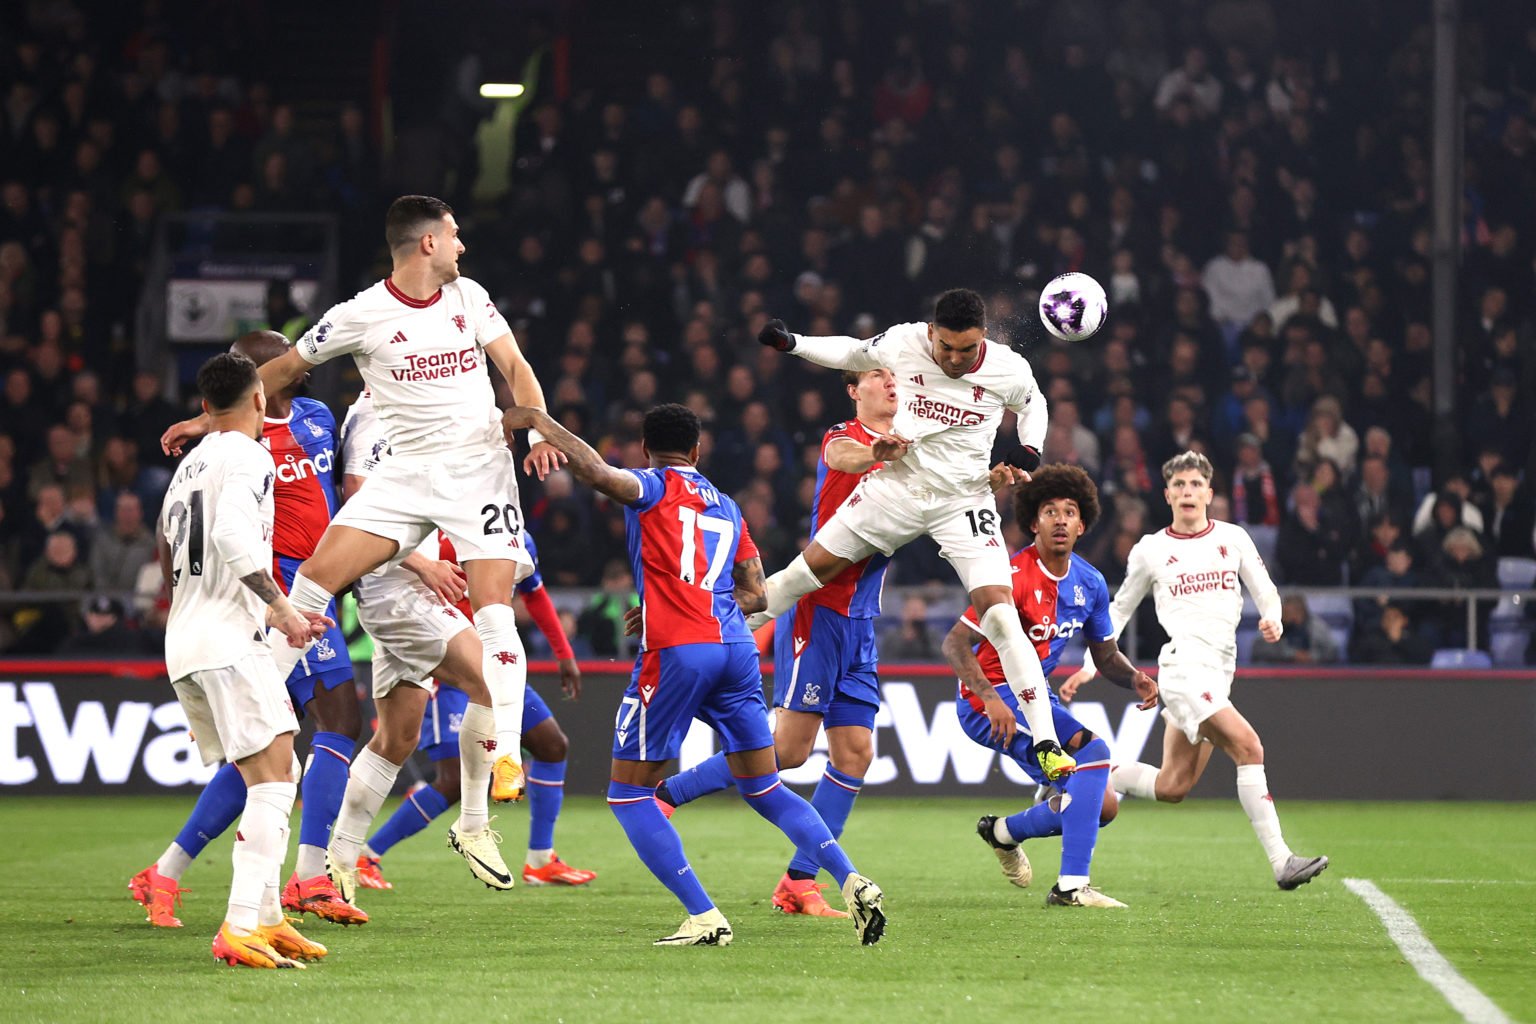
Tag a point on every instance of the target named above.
point(501, 90)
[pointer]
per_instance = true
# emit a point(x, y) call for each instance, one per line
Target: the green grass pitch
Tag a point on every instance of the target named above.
point(1207, 936)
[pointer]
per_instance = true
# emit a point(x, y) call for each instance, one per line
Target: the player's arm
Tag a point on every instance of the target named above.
point(236, 538)
point(1117, 668)
point(1031, 418)
point(838, 353)
point(751, 585)
point(543, 458)
point(586, 465)
point(962, 658)
point(547, 617)
point(849, 456)
point(1261, 588)
point(1138, 581)
point(275, 374)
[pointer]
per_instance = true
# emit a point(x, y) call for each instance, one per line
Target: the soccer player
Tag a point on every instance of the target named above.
point(301, 435)
point(420, 339)
point(697, 660)
point(1056, 595)
point(826, 670)
point(215, 550)
point(363, 444)
point(1193, 568)
point(952, 387)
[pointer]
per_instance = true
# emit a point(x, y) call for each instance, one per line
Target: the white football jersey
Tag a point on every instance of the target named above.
point(423, 362)
point(363, 442)
point(952, 422)
point(1194, 582)
point(217, 518)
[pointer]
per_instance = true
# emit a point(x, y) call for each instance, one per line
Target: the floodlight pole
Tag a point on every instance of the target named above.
point(1446, 205)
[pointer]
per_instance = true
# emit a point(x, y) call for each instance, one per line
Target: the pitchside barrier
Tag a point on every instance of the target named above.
point(1392, 734)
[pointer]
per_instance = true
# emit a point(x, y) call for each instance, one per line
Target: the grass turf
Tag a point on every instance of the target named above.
point(1207, 936)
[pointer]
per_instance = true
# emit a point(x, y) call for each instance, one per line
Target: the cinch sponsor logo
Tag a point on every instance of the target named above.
point(1049, 630)
point(929, 747)
point(294, 469)
point(437, 365)
point(943, 412)
point(139, 734)
point(1200, 582)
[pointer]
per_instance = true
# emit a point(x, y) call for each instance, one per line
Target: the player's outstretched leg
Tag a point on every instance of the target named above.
point(661, 849)
point(158, 887)
point(787, 586)
point(1291, 871)
point(798, 891)
point(310, 890)
point(1021, 665)
point(798, 820)
point(994, 831)
point(711, 775)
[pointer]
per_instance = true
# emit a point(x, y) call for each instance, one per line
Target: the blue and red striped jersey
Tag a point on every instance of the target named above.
point(685, 539)
point(1052, 611)
point(854, 592)
point(303, 447)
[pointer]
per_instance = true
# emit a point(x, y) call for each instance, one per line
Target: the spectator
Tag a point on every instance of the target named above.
point(1307, 639)
point(1392, 641)
point(1238, 286)
point(45, 627)
point(1509, 515)
point(1462, 565)
point(601, 623)
point(912, 640)
point(1255, 501)
point(1328, 436)
point(1309, 549)
point(1442, 511)
point(62, 466)
point(1397, 571)
point(118, 552)
point(1191, 82)
point(1500, 421)
point(106, 633)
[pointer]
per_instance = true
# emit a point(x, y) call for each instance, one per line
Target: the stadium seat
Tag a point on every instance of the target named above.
point(1458, 657)
point(1508, 643)
point(1508, 609)
point(1332, 609)
point(1517, 573)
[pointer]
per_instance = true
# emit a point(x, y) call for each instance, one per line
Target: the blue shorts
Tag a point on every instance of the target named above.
point(445, 713)
point(976, 726)
point(327, 664)
point(826, 666)
point(719, 684)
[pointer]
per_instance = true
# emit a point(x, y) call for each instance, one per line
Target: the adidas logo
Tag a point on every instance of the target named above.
point(918, 380)
point(398, 339)
point(1171, 559)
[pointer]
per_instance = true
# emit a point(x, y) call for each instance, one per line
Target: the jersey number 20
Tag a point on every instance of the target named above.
point(694, 526)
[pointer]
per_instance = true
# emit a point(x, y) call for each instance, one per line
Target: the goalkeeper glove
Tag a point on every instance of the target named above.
point(775, 335)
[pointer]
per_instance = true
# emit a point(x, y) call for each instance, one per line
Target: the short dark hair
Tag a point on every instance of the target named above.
point(671, 428)
point(1057, 481)
point(404, 223)
point(225, 379)
point(959, 309)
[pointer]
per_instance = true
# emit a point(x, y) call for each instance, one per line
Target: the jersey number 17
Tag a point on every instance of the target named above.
point(694, 527)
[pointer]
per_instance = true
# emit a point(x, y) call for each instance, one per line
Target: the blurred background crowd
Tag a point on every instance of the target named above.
point(1248, 179)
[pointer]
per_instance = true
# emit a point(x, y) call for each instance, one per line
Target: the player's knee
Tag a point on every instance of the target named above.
point(547, 742)
point(1252, 751)
point(854, 757)
point(791, 757)
point(1109, 812)
point(447, 780)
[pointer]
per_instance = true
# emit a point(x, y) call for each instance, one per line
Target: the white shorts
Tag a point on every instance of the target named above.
point(473, 501)
point(237, 710)
point(888, 510)
point(410, 627)
point(1191, 693)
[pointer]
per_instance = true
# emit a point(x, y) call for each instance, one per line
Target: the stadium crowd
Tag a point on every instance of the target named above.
point(1248, 179)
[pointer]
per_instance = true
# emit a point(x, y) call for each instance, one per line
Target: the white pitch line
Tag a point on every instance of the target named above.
point(1457, 881)
point(1465, 998)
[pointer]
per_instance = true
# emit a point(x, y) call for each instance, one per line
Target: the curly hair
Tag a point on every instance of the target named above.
point(671, 428)
point(1057, 481)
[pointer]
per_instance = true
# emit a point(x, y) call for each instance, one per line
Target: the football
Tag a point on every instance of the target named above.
point(1073, 307)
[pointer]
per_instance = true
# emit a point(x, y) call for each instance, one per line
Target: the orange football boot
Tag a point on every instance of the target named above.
point(556, 872)
point(285, 938)
point(370, 874)
point(507, 780)
point(318, 896)
point(158, 895)
point(251, 950)
point(803, 896)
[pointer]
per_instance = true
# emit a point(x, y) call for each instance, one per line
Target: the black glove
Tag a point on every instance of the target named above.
point(1025, 458)
point(775, 335)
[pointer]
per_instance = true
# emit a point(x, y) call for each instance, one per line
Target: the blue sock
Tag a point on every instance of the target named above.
point(658, 844)
point(414, 814)
point(330, 757)
point(1036, 823)
point(833, 800)
point(798, 820)
point(546, 792)
point(708, 776)
point(218, 805)
point(1080, 819)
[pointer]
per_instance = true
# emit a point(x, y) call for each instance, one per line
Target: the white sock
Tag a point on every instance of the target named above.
point(477, 752)
point(1253, 792)
point(261, 843)
point(311, 861)
point(789, 585)
point(306, 596)
point(505, 666)
point(538, 858)
point(368, 784)
point(1066, 883)
point(271, 911)
point(1135, 779)
point(1021, 665)
point(173, 862)
point(1000, 832)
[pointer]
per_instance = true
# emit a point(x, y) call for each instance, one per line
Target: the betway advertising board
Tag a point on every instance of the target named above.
point(102, 727)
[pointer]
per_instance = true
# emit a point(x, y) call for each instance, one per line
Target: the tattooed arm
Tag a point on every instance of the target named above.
point(585, 464)
point(751, 586)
